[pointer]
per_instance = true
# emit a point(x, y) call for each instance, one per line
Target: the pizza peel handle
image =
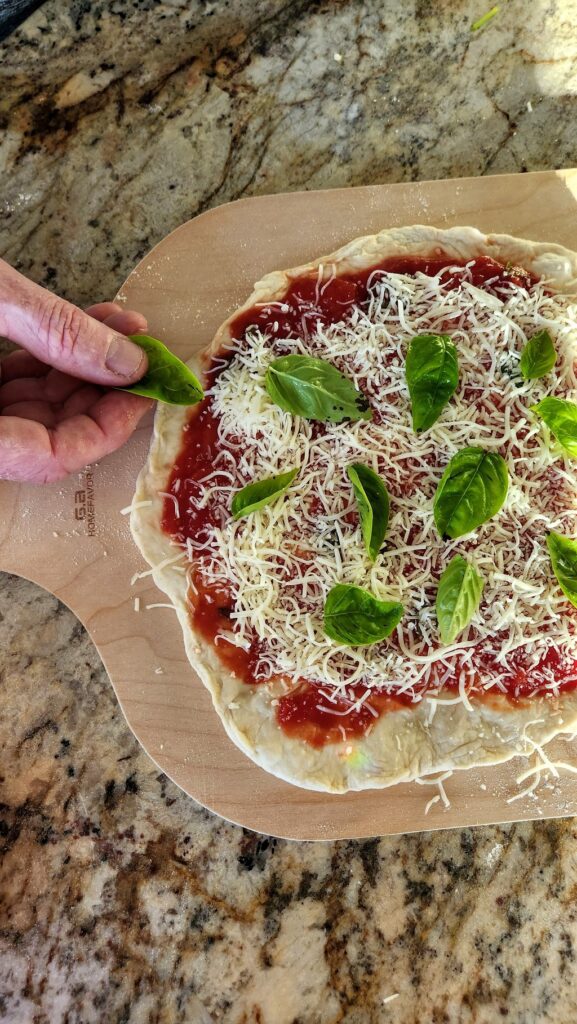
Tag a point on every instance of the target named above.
point(71, 538)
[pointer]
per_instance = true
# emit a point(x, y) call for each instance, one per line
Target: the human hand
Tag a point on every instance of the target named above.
point(57, 413)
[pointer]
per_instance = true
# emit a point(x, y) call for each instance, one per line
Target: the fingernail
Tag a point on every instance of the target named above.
point(124, 357)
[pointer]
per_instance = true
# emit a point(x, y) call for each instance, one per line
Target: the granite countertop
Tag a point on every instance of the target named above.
point(121, 900)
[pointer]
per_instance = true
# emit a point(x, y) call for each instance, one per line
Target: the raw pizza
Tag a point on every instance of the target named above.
point(395, 592)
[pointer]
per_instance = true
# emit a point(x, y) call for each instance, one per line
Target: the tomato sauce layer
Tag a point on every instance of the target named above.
point(330, 301)
point(307, 712)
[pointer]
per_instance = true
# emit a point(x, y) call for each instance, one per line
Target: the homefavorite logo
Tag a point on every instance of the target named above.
point(84, 510)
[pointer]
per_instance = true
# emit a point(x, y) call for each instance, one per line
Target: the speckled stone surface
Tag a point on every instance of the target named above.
point(120, 899)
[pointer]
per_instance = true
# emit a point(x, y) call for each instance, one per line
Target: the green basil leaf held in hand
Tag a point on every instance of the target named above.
point(260, 493)
point(458, 596)
point(471, 491)
point(314, 389)
point(432, 371)
point(538, 357)
point(373, 504)
point(563, 554)
point(561, 418)
point(354, 617)
point(167, 378)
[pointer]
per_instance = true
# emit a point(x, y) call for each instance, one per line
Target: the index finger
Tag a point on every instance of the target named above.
point(125, 321)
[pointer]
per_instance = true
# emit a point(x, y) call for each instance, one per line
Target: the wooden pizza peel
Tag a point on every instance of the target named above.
point(71, 539)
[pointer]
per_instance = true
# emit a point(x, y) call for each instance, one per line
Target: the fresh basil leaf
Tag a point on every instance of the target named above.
point(354, 617)
point(538, 357)
point(372, 500)
point(167, 378)
point(432, 375)
point(563, 554)
point(561, 418)
point(260, 493)
point(458, 596)
point(315, 389)
point(471, 491)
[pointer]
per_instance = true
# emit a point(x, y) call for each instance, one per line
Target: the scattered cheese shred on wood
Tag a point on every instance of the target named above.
point(137, 504)
point(434, 800)
point(543, 767)
point(439, 783)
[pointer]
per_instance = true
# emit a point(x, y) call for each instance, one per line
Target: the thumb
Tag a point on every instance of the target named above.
point(63, 336)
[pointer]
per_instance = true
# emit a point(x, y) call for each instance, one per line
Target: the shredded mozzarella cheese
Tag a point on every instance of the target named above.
point(137, 504)
point(281, 561)
point(438, 782)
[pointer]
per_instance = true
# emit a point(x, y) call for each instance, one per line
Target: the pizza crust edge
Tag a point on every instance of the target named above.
point(403, 745)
